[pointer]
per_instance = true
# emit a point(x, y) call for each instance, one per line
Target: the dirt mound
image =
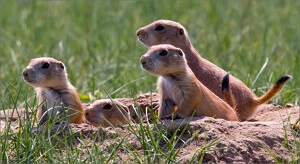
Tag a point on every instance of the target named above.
point(269, 130)
point(143, 104)
point(247, 141)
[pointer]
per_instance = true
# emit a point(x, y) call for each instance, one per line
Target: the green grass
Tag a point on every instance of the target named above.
point(97, 42)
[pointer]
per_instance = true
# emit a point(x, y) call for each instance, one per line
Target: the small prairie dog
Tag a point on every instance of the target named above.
point(210, 75)
point(180, 91)
point(107, 112)
point(54, 91)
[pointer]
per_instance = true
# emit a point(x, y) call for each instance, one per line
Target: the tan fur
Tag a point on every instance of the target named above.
point(228, 97)
point(115, 114)
point(54, 91)
point(206, 72)
point(180, 91)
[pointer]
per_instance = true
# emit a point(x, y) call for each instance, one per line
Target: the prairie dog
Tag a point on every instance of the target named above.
point(180, 91)
point(210, 75)
point(49, 78)
point(107, 112)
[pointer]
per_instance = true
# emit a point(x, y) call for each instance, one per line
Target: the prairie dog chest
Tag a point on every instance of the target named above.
point(51, 98)
point(171, 88)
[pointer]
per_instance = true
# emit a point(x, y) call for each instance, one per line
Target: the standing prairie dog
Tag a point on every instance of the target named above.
point(170, 32)
point(54, 91)
point(107, 112)
point(180, 91)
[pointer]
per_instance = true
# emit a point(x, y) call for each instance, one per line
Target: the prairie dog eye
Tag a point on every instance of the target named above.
point(163, 53)
point(45, 65)
point(107, 106)
point(159, 28)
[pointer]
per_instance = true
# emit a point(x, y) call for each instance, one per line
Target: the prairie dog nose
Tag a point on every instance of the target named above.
point(25, 72)
point(143, 60)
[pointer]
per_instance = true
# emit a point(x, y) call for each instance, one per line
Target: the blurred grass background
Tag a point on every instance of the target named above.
point(97, 42)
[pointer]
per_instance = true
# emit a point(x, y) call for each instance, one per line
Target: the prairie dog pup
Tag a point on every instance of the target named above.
point(49, 78)
point(180, 91)
point(106, 112)
point(210, 75)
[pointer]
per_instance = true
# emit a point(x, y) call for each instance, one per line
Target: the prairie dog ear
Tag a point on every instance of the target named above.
point(181, 31)
point(125, 109)
point(62, 66)
point(180, 52)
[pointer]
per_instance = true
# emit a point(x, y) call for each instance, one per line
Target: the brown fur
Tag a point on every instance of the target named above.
point(107, 112)
point(209, 74)
point(54, 91)
point(181, 92)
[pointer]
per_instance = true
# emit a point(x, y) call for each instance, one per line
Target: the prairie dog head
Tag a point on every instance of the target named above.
point(163, 32)
point(45, 72)
point(105, 112)
point(164, 60)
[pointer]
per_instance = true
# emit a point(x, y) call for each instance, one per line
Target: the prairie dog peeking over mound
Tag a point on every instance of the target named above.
point(180, 91)
point(54, 91)
point(210, 75)
point(107, 112)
